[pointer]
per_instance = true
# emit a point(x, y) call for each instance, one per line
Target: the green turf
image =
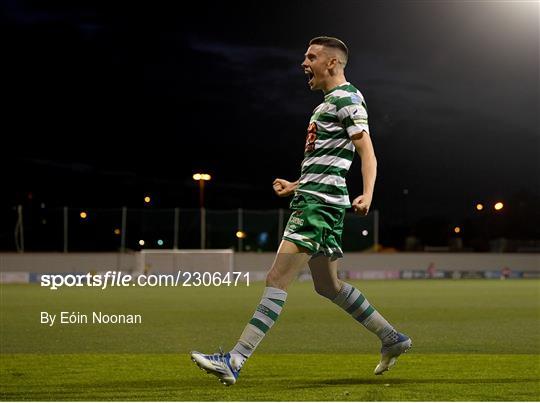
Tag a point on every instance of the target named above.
point(473, 340)
point(270, 377)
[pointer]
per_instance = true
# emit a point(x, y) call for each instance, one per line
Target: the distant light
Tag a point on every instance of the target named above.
point(240, 234)
point(405, 191)
point(262, 238)
point(44, 221)
point(498, 206)
point(365, 232)
point(479, 206)
point(141, 242)
point(160, 242)
point(457, 230)
point(83, 215)
point(201, 177)
point(42, 205)
point(147, 199)
point(117, 231)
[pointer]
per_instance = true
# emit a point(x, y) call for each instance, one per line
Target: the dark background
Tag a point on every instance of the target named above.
point(105, 102)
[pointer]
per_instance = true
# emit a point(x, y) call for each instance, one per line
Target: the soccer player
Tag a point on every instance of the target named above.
point(337, 128)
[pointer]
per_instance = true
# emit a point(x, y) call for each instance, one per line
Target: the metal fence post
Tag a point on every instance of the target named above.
point(65, 229)
point(176, 227)
point(203, 228)
point(241, 229)
point(376, 230)
point(123, 230)
point(19, 230)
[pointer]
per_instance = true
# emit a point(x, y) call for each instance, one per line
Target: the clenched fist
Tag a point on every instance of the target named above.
point(284, 188)
point(361, 204)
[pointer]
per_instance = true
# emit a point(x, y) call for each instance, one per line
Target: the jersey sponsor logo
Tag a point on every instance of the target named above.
point(311, 137)
point(296, 221)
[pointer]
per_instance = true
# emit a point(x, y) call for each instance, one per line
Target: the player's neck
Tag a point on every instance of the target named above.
point(334, 82)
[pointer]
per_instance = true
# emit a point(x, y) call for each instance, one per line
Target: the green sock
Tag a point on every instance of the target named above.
point(352, 301)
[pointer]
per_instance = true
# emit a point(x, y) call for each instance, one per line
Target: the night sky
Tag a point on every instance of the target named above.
point(104, 102)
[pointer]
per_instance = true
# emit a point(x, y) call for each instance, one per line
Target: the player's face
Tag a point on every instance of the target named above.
point(315, 67)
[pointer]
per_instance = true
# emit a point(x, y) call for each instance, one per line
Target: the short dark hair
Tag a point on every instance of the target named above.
point(331, 42)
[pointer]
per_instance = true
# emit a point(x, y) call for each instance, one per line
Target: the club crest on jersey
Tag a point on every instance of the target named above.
point(311, 137)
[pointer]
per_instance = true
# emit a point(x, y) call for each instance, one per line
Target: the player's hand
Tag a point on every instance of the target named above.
point(283, 188)
point(361, 204)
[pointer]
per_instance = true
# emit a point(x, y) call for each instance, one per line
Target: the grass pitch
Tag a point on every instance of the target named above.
point(472, 340)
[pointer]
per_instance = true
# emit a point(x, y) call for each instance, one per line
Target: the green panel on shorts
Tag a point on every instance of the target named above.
point(315, 226)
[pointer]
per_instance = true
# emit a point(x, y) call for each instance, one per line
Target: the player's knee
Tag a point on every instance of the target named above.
point(326, 290)
point(273, 279)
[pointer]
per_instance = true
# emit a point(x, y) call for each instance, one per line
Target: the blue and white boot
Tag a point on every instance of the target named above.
point(390, 353)
point(221, 365)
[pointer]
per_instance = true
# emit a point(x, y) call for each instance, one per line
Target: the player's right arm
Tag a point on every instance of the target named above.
point(284, 188)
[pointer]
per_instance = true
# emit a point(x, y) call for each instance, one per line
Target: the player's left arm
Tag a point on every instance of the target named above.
point(364, 148)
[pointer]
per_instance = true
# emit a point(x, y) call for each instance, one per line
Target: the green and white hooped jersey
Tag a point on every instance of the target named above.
point(329, 150)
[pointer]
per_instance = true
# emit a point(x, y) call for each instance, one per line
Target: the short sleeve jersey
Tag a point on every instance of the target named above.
point(329, 150)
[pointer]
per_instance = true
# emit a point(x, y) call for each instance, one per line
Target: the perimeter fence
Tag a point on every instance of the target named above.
point(71, 229)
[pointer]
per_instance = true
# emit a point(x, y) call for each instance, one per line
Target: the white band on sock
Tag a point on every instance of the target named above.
point(249, 339)
point(275, 293)
point(263, 319)
point(343, 294)
point(272, 305)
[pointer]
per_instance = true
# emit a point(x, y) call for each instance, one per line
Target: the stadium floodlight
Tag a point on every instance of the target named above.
point(241, 234)
point(201, 177)
point(498, 206)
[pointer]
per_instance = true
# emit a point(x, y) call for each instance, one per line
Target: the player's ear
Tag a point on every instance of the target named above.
point(332, 63)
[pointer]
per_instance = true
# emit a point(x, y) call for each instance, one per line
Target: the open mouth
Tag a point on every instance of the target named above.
point(310, 76)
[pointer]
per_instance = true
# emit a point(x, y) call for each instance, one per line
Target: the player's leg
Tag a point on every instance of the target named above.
point(289, 260)
point(326, 283)
point(324, 273)
point(350, 299)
